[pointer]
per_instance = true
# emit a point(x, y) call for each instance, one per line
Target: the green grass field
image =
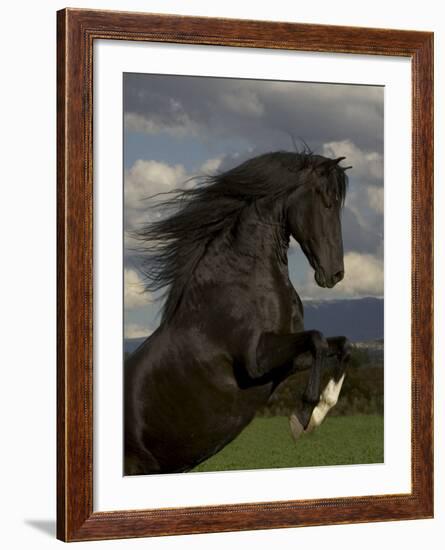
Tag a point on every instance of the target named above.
point(267, 443)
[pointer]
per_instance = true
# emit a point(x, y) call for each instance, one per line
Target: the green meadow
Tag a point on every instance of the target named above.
point(267, 443)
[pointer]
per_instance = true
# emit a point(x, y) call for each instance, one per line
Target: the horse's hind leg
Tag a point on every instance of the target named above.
point(339, 347)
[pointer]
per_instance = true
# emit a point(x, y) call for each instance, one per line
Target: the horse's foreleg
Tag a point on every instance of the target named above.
point(340, 348)
point(276, 350)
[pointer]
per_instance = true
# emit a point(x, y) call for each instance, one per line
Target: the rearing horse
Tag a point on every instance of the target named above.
point(232, 325)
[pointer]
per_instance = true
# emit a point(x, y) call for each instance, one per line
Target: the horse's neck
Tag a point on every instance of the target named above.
point(264, 236)
point(254, 244)
point(257, 241)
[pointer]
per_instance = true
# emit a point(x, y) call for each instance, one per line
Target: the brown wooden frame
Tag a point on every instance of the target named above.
point(77, 30)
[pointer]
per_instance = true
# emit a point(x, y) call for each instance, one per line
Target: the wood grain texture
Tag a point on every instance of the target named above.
point(76, 32)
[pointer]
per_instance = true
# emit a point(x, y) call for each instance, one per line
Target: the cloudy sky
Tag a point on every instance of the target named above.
point(176, 127)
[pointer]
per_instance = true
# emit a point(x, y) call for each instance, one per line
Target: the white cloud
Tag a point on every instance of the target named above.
point(143, 180)
point(363, 277)
point(365, 164)
point(180, 124)
point(134, 294)
point(134, 330)
point(210, 166)
point(149, 177)
point(376, 199)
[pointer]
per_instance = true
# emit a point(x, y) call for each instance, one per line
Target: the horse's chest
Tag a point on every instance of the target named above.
point(277, 307)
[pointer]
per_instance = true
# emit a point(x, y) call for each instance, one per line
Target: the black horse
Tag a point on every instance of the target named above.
point(232, 324)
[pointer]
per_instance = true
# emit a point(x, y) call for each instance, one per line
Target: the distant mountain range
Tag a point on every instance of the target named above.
point(360, 320)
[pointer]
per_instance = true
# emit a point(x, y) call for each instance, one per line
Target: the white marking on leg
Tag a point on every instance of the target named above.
point(328, 399)
point(332, 391)
point(318, 415)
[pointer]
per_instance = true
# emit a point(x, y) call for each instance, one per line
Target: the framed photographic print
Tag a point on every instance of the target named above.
point(244, 275)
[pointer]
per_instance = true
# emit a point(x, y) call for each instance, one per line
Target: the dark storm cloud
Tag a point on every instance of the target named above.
point(263, 112)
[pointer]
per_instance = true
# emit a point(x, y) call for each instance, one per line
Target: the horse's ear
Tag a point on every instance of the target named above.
point(329, 163)
point(339, 159)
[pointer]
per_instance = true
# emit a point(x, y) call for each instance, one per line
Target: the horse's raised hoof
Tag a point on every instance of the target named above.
point(296, 426)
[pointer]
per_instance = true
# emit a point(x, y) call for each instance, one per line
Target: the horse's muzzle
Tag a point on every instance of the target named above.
point(336, 278)
point(328, 282)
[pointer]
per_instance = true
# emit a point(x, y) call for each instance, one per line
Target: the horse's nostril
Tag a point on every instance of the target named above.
point(339, 276)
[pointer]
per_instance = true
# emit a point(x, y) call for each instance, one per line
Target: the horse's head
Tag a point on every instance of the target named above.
point(313, 217)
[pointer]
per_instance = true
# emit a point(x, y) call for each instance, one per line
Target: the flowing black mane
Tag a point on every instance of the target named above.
point(172, 246)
